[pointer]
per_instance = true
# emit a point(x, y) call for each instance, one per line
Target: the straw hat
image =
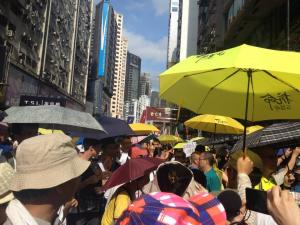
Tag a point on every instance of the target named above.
point(6, 174)
point(46, 161)
point(257, 161)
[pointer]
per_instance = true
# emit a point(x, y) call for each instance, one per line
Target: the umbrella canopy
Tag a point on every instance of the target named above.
point(277, 135)
point(54, 117)
point(161, 208)
point(113, 126)
point(217, 83)
point(169, 139)
point(142, 128)
point(244, 82)
point(132, 170)
point(179, 145)
point(215, 124)
point(197, 139)
point(253, 129)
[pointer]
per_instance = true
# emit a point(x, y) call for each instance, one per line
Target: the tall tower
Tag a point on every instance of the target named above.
point(101, 79)
point(117, 102)
point(173, 33)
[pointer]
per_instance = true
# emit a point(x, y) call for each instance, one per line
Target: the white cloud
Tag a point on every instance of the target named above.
point(161, 6)
point(155, 51)
point(135, 5)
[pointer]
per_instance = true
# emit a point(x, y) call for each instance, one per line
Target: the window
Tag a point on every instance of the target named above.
point(174, 9)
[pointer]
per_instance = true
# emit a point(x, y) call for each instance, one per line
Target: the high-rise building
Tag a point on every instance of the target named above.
point(143, 103)
point(44, 43)
point(145, 85)
point(210, 26)
point(131, 109)
point(133, 72)
point(173, 33)
point(117, 101)
point(187, 29)
point(154, 102)
point(101, 78)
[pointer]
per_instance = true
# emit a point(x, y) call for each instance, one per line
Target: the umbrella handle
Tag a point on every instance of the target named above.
point(249, 75)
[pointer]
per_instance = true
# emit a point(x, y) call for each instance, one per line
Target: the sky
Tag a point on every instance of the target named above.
point(146, 28)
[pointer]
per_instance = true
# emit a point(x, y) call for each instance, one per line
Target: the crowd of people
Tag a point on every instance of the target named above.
point(54, 179)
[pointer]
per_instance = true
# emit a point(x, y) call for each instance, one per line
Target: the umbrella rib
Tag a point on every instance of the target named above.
point(282, 81)
point(193, 74)
point(212, 88)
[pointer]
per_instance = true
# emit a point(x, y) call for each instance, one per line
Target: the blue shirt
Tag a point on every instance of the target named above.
point(213, 182)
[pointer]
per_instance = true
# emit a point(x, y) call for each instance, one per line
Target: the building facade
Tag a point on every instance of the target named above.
point(145, 85)
point(117, 101)
point(131, 110)
point(210, 26)
point(173, 33)
point(41, 42)
point(259, 23)
point(133, 73)
point(101, 77)
point(227, 23)
point(187, 29)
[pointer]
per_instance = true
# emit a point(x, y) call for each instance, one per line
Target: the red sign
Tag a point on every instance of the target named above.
point(157, 114)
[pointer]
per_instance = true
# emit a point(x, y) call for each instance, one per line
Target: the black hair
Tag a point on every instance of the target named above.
point(200, 148)
point(157, 152)
point(255, 176)
point(33, 195)
point(87, 142)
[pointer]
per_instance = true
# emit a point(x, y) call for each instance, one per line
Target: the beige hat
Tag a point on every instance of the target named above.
point(6, 174)
point(46, 161)
point(257, 162)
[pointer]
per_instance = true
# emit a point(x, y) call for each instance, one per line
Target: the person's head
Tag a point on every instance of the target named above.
point(111, 147)
point(155, 143)
point(48, 171)
point(92, 147)
point(195, 159)
point(21, 132)
point(158, 152)
point(269, 160)
point(200, 148)
point(180, 156)
point(206, 161)
point(174, 177)
point(126, 144)
point(107, 161)
point(232, 203)
point(6, 174)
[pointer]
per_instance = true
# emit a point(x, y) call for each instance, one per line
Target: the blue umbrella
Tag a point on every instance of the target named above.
point(114, 128)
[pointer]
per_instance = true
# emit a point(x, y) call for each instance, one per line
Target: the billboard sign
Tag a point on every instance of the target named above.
point(158, 114)
point(26, 100)
point(103, 38)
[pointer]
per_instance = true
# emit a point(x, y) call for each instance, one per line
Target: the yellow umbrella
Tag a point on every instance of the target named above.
point(44, 131)
point(197, 139)
point(179, 145)
point(142, 128)
point(169, 139)
point(244, 82)
point(215, 124)
point(253, 129)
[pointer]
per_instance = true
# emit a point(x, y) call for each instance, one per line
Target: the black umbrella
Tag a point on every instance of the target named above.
point(114, 128)
point(276, 135)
